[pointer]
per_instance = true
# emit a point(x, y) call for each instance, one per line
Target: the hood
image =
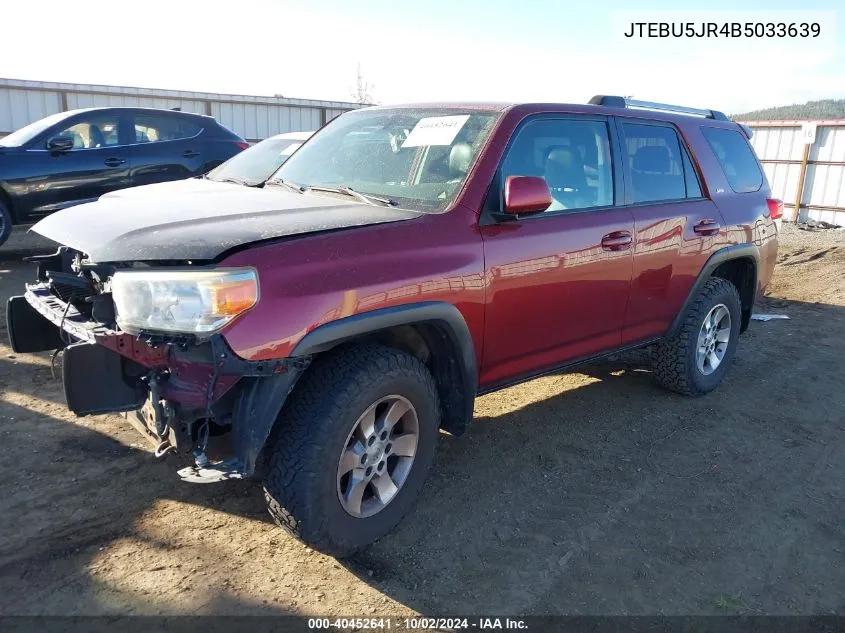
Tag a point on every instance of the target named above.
point(200, 219)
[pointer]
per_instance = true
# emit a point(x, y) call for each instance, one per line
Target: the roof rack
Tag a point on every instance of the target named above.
point(621, 102)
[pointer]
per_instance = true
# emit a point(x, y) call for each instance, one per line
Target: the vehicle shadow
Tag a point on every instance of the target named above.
point(593, 492)
point(42, 375)
point(602, 493)
point(68, 491)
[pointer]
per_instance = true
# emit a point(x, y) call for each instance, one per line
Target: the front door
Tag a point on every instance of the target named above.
point(558, 281)
point(97, 163)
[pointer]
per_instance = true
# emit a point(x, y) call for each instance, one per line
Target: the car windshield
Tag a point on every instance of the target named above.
point(257, 163)
point(417, 158)
point(29, 132)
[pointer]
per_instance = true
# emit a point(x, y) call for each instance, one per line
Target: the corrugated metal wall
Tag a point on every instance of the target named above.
point(252, 117)
point(781, 147)
point(21, 107)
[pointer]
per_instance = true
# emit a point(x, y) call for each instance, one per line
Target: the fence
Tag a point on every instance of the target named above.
point(805, 164)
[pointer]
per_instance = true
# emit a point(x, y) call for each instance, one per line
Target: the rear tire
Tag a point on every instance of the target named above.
point(320, 424)
point(5, 224)
point(694, 362)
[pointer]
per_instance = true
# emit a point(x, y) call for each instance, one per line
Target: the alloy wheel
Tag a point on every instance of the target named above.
point(713, 339)
point(378, 456)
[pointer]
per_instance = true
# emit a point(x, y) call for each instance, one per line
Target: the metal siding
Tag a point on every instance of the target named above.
point(316, 120)
point(284, 119)
point(252, 117)
point(772, 143)
point(332, 113)
point(258, 121)
point(783, 179)
point(21, 107)
point(240, 112)
point(829, 145)
point(88, 100)
point(824, 185)
point(262, 122)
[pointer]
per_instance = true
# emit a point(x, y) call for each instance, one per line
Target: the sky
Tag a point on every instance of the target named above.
point(522, 50)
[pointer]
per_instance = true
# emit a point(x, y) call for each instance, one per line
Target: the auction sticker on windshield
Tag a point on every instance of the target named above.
point(435, 130)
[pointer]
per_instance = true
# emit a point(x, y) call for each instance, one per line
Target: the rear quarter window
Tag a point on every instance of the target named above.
point(736, 158)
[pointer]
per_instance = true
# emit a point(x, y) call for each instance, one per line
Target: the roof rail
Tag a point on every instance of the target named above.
point(621, 102)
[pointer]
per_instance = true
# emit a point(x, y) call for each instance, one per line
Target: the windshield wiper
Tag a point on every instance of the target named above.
point(285, 183)
point(362, 197)
point(236, 181)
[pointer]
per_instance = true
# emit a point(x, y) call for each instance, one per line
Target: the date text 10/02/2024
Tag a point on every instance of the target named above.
point(435, 624)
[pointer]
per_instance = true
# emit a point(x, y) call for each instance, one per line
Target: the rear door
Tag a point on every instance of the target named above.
point(676, 227)
point(558, 281)
point(165, 147)
point(98, 163)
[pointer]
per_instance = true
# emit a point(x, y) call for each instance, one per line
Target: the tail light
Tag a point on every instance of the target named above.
point(775, 208)
point(242, 144)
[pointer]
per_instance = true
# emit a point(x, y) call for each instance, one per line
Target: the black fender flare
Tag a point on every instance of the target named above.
point(444, 314)
point(726, 254)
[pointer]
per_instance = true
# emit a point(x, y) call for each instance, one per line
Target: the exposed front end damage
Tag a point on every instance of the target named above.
point(186, 395)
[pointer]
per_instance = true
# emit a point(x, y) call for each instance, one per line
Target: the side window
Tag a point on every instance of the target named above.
point(573, 156)
point(100, 130)
point(736, 158)
point(658, 167)
point(152, 128)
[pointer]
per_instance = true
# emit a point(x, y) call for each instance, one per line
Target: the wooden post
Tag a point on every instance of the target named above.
point(799, 194)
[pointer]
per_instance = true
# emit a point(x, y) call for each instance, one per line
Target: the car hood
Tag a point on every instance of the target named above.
point(200, 219)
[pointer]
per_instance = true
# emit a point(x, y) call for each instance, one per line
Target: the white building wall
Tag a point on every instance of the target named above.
point(252, 117)
point(780, 147)
point(21, 107)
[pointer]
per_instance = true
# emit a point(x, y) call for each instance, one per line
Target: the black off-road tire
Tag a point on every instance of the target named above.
point(301, 482)
point(673, 360)
point(5, 223)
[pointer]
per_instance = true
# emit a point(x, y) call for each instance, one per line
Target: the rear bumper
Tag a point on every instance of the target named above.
point(184, 385)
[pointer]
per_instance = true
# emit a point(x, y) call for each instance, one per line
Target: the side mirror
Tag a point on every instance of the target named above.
point(526, 194)
point(60, 144)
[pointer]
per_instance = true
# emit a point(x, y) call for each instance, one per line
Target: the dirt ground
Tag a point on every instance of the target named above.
point(582, 493)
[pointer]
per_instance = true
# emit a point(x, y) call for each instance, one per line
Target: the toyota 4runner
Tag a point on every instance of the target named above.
point(318, 330)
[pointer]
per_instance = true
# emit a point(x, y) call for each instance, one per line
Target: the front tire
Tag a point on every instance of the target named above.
point(355, 443)
point(695, 360)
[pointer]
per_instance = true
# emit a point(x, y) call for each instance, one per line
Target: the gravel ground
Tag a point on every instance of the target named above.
point(791, 237)
point(583, 493)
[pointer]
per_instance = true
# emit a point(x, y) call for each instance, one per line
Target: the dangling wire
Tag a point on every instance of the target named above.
point(202, 439)
point(163, 448)
point(53, 361)
point(62, 334)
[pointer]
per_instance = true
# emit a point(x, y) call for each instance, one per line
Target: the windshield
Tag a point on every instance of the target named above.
point(29, 132)
point(257, 163)
point(418, 157)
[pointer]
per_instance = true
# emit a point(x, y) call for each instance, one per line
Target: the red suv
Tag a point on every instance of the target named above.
point(320, 328)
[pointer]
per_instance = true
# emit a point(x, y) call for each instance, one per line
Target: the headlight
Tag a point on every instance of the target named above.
point(194, 302)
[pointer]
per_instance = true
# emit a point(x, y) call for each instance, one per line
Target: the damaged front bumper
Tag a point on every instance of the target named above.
point(174, 390)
